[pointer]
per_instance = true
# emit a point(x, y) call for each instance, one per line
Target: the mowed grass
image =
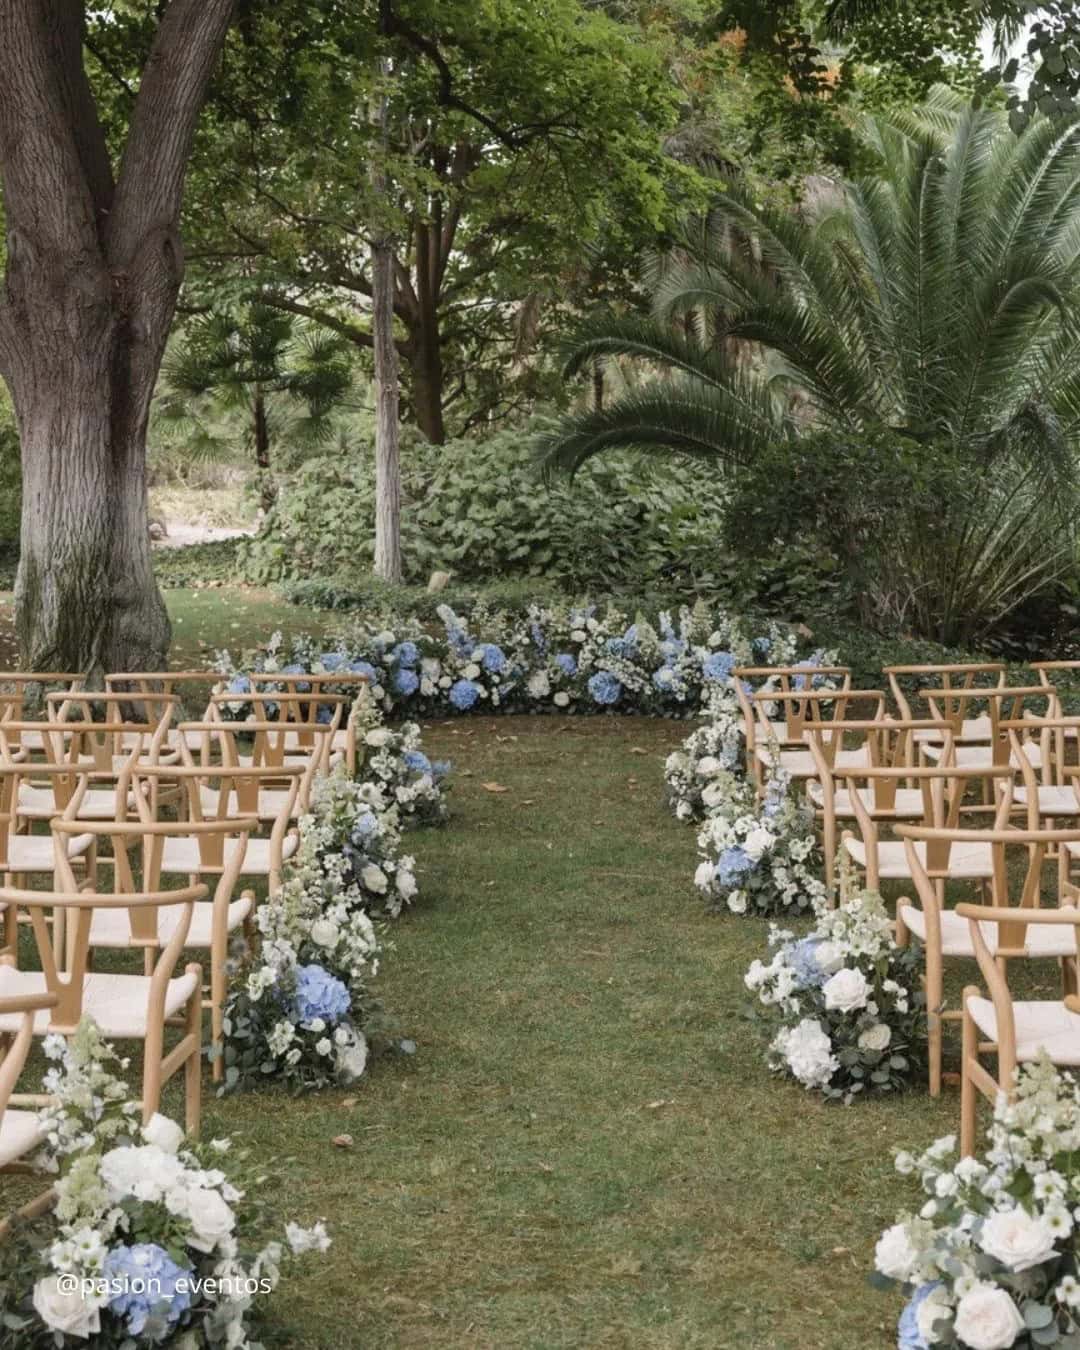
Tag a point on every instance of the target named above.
point(587, 1149)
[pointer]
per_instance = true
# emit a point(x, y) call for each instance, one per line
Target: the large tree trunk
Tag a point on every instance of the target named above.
point(93, 272)
point(425, 338)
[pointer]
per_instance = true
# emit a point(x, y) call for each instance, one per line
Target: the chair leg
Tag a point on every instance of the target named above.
point(193, 1067)
point(969, 1056)
point(933, 1018)
point(218, 958)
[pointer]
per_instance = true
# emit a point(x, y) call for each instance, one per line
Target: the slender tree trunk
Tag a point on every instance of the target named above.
point(426, 363)
point(387, 444)
point(94, 266)
point(261, 426)
point(598, 386)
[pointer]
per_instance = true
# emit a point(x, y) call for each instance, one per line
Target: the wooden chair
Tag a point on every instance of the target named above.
point(194, 849)
point(293, 728)
point(122, 729)
point(72, 751)
point(1004, 705)
point(19, 683)
point(787, 730)
point(953, 680)
point(126, 1007)
point(1017, 1032)
point(1056, 797)
point(315, 687)
point(821, 710)
point(20, 1131)
point(945, 933)
point(1047, 671)
point(890, 744)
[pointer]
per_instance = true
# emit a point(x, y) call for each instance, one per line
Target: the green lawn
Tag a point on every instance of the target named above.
point(587, 1149)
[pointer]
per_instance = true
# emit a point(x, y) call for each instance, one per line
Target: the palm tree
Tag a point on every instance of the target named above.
point(934, 297)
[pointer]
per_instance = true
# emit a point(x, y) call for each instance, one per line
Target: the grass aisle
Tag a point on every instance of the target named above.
point(587, 1149)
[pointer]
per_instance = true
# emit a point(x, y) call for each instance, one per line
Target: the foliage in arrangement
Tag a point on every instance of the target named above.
point(936, 442)
point(394, 759)
point(992, 1259)
point(149, 1239)
point(759, 857)
point(300, 1010)
point(572, 659)
point(477, 508)
point(848, 1000)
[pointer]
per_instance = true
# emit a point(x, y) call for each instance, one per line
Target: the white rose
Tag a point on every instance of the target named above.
point(988, 1319)
point(704, 875)
point(757, 842)
point(324, 933)
point(324, 1046)
point(406, 884)
point(875, 1037)
point(353, 1061)
point(829, 957)
point(378, 736)
point(163, 1132)
point(539, 686)
point(578, 635)
point(68, 1313)
point(846, 990)
point(562, 698)
point(712, 794)
point(445, 682)
point(894, 1256)
point(472, 671)
point(211, 1219)
point(736, 902)
point(1017, 1239)
point(374, 878)
point(707, 766)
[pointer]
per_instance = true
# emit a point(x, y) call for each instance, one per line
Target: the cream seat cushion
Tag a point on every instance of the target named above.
point(908, 804)
point(1039, 1026)
point(1041, 939)
point(34, 852)
point(1053, 801)
point(112, 928)
point(180, 856)
point(981, 756)
point(118, 1003)
point(20, 1133)
point(972, 730)
point(965, 860)
point(800, 763)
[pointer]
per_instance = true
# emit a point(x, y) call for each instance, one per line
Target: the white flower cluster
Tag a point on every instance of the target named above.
point(694, 773)
point(990, 1260)
point(847, 998)
point(118, 1183)
point(395, 760)
point(758, 857)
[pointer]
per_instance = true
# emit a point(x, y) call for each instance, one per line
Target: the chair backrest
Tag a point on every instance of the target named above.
point(786, 680)
point(18, 685)
point(117, 732)
point(287, 723)
point(823, 710)
point(891, 743)
point(11, 1065)
point(1051, 732)
point(950, 679)
point(1005, 704)
point(1046, 669)
point(213, 746)
point(63, 781)
point(79, 906)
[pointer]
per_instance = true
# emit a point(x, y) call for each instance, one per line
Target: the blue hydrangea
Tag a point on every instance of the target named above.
point(148, 1277)
point(604, 687)
point(365, 825)
point(364, 668)
point(718, 665)
point(464, 694)
point(907, 1330)
point(331, 661)
point(672, 648)
point(566, 663)
point(239, 684)
point(406, 681)
point(417, 761)
point(616, 646)
point(493, 658)
point(320, 994)
point(801, 959)
point(406, 653)
point(295, 668)
point(325, 715)
point(458, 638)
point(733, 866)
point(762, 645)
point(664, 679)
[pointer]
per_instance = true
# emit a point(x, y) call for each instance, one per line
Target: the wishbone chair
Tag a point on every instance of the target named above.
point(1017, 1032)
point(20, 1131)
point(944, 933)
point(805, 710)
point(787, 730)
point(955, 681)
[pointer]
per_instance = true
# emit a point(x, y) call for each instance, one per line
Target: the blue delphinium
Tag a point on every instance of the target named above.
point(493, 658)
point(406, 653)
point(908, 1336)
point(406, 681)
point(320, 994)
point(801, 958)
point(539, 640)
point(718, 665)
point(566, 663)
point(417, 761)
point(148, 1276)
point(464, 694)
point(604, 687)
point(733, 865)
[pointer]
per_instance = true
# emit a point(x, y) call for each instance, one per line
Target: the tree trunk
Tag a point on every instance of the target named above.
point(598, 385)
point(93, 272)
point(426, 360)
point(261, 425)
point(387, 444)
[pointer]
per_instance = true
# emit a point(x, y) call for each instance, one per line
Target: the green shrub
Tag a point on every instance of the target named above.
point(197, 564)
point(478, 510)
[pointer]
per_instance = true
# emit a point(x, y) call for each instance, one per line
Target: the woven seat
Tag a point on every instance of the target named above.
point(908, 804)
point(1039, 1026)
point(118, 1003)
point(20, 1134)
point(34, 852)
point(112, 927)
point(1053, 801)
point(969, 862)
point(1040, 939)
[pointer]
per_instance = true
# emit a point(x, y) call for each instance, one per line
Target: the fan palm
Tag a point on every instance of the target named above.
point(934, 297)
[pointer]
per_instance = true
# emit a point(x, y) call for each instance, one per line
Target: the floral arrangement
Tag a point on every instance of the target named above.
point(301, 1010)
point(696, 774)
point(992, 1259)
point(758, 857)
point(572, 658)
point(395, 761)
point(849, 1001)
point(146, 1242)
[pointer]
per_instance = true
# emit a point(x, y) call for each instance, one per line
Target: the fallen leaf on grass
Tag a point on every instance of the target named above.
point(349, 1102)
point(638, 750)
point(342, 1141)
point(655, 1106)
point(545, 1167)
point(494, 787)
